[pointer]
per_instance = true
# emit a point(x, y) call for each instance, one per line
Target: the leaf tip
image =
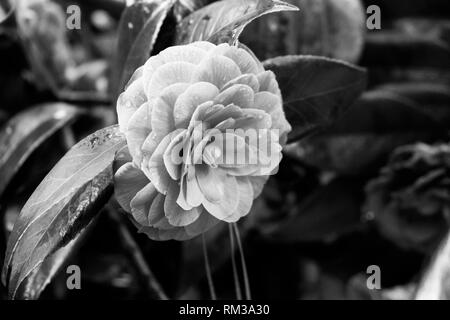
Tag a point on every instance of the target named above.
point(284, 6)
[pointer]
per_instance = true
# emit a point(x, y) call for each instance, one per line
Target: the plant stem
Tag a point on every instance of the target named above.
point(208, 270)
point(248, 295)
point(136, 254)
point(237, 284)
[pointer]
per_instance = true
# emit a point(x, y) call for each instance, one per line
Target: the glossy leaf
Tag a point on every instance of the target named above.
point(380, 121)
point(45, 41)
point(223, 21)
point(316, 91)
point(330, 28)
point(138, 29)
point(63, 204)
point(330, 211)
point(26, 131)
point(32, 287)
point(182, 8)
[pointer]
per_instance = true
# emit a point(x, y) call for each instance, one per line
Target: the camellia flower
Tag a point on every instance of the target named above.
point(204, 126)
point(410, 199)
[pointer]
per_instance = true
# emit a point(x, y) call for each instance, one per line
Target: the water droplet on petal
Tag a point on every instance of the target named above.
point(128, 104)
point(217, 153)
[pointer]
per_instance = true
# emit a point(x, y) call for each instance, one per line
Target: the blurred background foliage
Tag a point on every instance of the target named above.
point(369, 189)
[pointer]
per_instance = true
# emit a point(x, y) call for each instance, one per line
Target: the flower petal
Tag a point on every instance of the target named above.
point(240, 95)
point(245, 192)
point(155, 169)
point(162, 118)
point(194, 196)
point(218, 114)
point(253, 119)
point(210, 182)
point(205, 45)
point(217, 70)
point(128, 102)
point(128, 181)
point(156, 216)
point(190, 195)
point(172, 156)
point(135, 76)
point(168, 74)
point(268, 82)
point(204, 223)
point(174, 233)
point(243, 59)
point(149, 69)
point(272, 104)
point(258, 183)
point(201, 225)
point(248, 79)
point(139, 127)
point(172, 92)
point(141, 203)
point(267, 102)
point(189, 53)
point(187, 102)
point(176, 215)
point(122, 157)
point(228, 203)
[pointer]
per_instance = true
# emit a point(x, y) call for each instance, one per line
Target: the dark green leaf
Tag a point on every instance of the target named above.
point(380, 121)
point(331, 28)
point(395, 49)
point(182, 8)
point(433, 99)
point(330, 211)
point(45, 40)
point(40, 277)
point(26, 131)
point(223, 21)
point(316, 90)
point(138, 30)
point(412, 8)
point(63, 205)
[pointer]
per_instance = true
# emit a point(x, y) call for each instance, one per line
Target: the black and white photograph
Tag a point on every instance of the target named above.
point(224, 155)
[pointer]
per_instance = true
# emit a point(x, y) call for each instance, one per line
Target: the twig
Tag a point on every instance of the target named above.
point(136, 254)
point(237, 284)
point(248, 295)
point(208, 270)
